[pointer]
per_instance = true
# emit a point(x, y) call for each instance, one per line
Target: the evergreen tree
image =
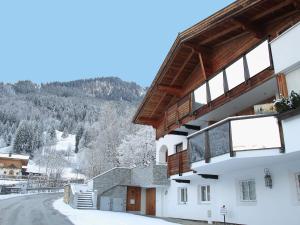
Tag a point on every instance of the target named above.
point(78, 136)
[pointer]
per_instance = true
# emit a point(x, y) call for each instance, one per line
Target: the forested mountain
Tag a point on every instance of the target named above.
point(98, 111)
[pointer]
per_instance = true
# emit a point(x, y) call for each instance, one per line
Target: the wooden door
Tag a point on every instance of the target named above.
point(133, 202)
point(150, 201)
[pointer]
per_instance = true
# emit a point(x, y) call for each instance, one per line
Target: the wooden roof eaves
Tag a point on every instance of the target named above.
point(220, 16)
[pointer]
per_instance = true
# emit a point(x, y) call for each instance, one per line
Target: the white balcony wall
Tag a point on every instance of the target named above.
point(290, 128)
point(286, 48)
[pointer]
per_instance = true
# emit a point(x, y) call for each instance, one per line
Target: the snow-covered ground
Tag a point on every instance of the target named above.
point(96, 217)
point(10, 182)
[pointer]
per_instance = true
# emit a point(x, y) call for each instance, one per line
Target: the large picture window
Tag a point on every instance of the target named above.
point(216, 86)
point(247, 191)
point(235, 74)
point(258, 59)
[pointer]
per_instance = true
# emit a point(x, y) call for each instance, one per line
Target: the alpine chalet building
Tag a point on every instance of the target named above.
point(225, 108)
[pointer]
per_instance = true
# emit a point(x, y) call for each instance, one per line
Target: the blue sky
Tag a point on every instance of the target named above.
point(61, 40)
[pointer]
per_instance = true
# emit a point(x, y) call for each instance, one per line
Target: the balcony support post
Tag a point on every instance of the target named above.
point(207, 154)
point(231, 152)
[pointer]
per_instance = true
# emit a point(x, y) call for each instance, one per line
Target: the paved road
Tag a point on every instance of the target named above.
point(31, 210)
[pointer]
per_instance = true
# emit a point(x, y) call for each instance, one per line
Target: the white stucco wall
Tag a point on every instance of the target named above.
point(293, 79)
point(286, 48)
point(170, 141)
point(276, 206)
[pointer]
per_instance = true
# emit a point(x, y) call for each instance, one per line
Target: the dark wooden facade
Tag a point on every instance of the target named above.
point(206, 48)
point(178, 163)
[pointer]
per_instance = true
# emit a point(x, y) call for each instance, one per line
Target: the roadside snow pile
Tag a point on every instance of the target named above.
point(96, 217)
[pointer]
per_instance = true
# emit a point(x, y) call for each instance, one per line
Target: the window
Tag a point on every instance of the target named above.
point(179, 147)
point(258, 59)
point(298, 185)
point(200, 95)
point(247, 191)
point(235, 74)
point(182, 195)
point(216, 86)
point(204, 193)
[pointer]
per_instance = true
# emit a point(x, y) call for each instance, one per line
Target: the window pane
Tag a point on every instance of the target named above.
point(252, 194)
point(235, 74)
point(200, 95)
point(258, 59)
point(216, 86)
point(245, 190)
point(208, 193)
point(203, 194)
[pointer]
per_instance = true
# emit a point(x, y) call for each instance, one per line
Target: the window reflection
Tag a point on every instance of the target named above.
point(235, 74)
point(216, 86)
point(258, 59)
point(200, 97)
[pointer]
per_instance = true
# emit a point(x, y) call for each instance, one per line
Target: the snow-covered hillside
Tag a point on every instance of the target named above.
point(63, 145)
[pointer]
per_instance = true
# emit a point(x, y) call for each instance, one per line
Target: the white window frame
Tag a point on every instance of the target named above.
point(182, 195)
point(241, 190)
point(207, 195)
point(297, 179)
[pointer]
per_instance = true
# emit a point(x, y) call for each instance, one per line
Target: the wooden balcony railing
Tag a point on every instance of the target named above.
point(175, 114)
point(178, 163)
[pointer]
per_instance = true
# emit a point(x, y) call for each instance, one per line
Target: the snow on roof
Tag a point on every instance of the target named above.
point(14, 156)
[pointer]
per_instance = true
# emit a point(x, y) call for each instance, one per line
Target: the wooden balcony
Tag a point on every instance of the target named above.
point(175, 115)
point(178, 163)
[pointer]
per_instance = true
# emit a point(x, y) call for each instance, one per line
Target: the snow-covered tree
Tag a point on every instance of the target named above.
point(137, 149)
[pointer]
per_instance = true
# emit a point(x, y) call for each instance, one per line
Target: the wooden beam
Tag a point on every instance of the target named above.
point(174, 79)
point(182, 133)
point(246, 26)
point(273, 9)
point(220, 34)
point(148, 121)
point(209, 176)
point(172, 90)
point(282, 86)
point(182, 181)
point(192, 127)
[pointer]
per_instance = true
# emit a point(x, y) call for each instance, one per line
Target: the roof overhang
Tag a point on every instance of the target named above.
point(240, 18)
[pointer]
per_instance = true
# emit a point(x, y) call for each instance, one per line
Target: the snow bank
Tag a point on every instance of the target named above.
point(96, 217)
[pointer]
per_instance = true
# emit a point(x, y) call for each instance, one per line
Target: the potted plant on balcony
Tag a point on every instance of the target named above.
point(284, 104)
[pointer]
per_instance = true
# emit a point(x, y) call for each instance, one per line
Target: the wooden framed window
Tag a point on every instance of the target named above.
point(179, 147)
point(247, 190)
point(204, 194)
point(182, 195)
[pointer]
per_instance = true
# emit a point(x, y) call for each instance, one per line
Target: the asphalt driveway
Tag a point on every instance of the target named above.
point(31, 210)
